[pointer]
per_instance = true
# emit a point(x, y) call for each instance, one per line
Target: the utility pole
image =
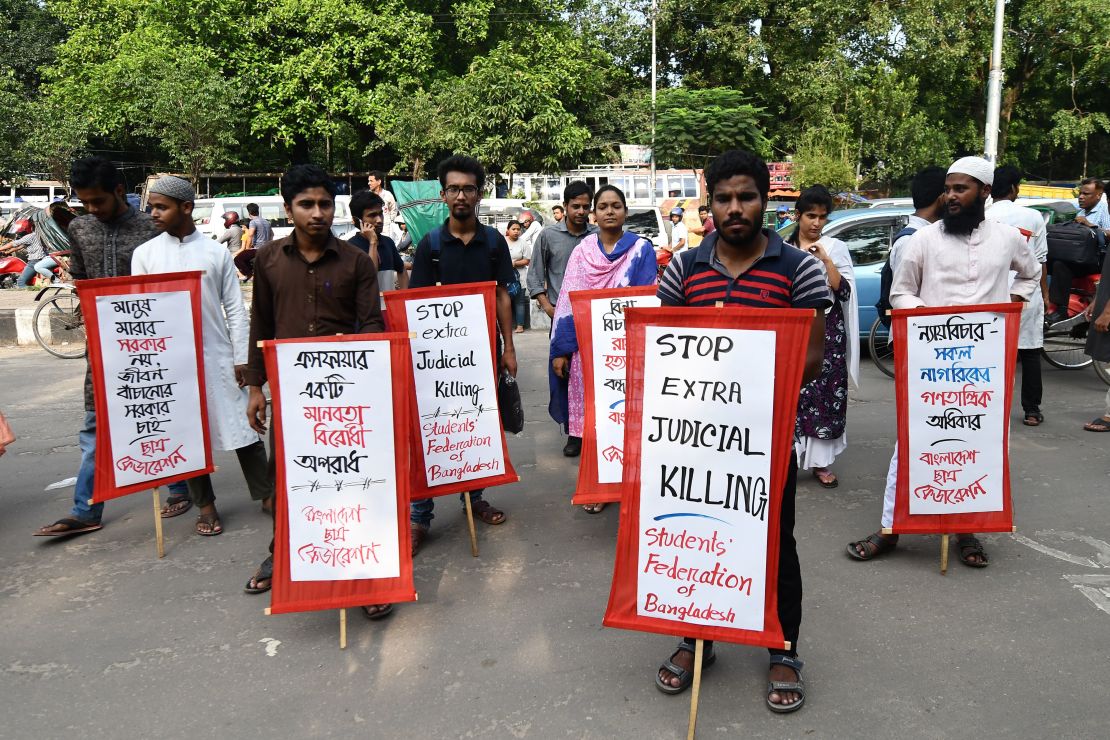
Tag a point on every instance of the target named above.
point(652, 179)
point(994, 86)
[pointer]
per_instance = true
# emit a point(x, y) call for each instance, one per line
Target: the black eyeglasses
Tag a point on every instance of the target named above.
point(453, 191)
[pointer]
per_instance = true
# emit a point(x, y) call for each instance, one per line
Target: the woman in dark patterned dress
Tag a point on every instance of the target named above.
point(823, 404)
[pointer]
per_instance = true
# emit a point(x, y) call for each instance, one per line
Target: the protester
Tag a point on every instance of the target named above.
point(307, 284)
point(390, 212)
point(7, 436)
point(1007, 181)
point(611, 258)
point(706, 228)
point(521, 253)
point(103, 241)
point(180, 248)
point(368, 214)
point(927, 189)
point(963, 260)
point(549, 261)
point(35, 254)
point(1093, 213)
point(744, 265)
point(823, 403)
point(466, 252)
point(557, 213)
point(232, 238)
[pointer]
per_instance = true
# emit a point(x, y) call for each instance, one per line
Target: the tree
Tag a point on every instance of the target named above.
point(411, 123)
point(59, 136)
point(693, 126)
point(824, 157)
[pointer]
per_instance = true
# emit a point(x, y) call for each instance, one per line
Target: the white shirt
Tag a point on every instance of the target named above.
point(679, 232)
point(1031, 223)
point(940, 269)
point(225, 328)
point(914, 222)
point(389, 214)
point(530, 235)
point(520, 250)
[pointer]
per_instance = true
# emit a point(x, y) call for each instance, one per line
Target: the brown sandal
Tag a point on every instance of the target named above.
point(873, 546)
point(213, 522)
point(484, 511)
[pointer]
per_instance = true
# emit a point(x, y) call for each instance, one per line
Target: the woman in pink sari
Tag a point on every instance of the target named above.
point(612, 258)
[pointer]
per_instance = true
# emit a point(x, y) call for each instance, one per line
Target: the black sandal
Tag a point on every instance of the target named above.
point(383, 611)
point(781, 687)
point(176, 500)
point(265, 572)
point(685, 677)
point(873, 546)
point(970, 547)
point(1033, 419)
point(72, 526)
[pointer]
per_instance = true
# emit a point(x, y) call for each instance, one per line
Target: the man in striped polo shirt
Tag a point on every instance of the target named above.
point(743, 264)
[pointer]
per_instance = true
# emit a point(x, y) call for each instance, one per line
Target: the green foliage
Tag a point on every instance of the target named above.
point(411, 122)
point(824, 157)
point(693, 126)
point(61, 138)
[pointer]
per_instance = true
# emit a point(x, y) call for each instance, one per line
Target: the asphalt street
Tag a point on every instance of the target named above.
point(100, 638)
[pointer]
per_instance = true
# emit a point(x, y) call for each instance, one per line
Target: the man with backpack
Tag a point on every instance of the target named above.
point(1087, 258)
point(927, 189)
point(463, 250)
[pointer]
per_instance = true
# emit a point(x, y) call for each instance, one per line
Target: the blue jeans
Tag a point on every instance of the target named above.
point(44, 267)
point(83, 490)
point(178, 489)
point(422, 509)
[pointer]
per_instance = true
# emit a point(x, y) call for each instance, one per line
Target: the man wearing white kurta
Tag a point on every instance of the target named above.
point(179, 248)
point(1031, 224)
point(964, 259)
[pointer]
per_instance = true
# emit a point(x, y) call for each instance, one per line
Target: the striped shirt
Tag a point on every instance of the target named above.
point(784, 277)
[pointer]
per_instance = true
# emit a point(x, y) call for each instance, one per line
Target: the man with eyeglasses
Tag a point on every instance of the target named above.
point(468, 252)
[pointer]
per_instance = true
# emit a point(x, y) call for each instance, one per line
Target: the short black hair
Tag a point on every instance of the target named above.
point(464, 164)
point(252, 209)
point(610, 189)
point(378, 175)
point(1093, 181)
point(575, 189)
point(95, 172)
point(927, 186)
point(813, 197)
point(301, 177)
point(739, 162)
point(703, 209)
point(1006, 178)
point(362, 201)
point(513, 223)
point(557, 208)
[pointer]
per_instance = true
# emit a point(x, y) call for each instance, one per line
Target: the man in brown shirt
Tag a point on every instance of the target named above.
point(308, 284)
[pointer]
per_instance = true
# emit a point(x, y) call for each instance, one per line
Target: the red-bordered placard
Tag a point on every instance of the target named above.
point(288, 595)
point(162, 311)
point(963, 386)
point(458, 431)
point(750, 361)
point(590, 488)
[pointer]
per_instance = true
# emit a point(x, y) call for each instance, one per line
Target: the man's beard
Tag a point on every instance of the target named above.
point(740, 242)
point(965, 220)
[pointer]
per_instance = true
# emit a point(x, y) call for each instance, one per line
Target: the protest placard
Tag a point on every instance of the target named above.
point(341, 435)
point(954, 378)
point(599, 326)
point(147, 366)
point(459, 439)
point(712, 396)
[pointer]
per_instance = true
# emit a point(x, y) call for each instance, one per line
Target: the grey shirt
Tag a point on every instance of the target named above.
point(232, 238)
point(549, 259)
point(262, 231)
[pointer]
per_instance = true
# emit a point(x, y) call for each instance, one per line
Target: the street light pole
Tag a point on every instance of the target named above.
point(651, 183)
point(994, 86)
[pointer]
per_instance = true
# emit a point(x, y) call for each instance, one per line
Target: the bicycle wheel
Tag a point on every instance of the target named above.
point(881, 348)
point(1065, 352)
point(60, 328)
point(1102, 370)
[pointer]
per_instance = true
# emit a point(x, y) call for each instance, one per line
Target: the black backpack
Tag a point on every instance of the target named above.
point(1076, 244)
point(886, 279)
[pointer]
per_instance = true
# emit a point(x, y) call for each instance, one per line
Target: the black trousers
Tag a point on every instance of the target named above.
point(256, 471)
point(1063, 273)
point(1031, 388)
point(790, 570)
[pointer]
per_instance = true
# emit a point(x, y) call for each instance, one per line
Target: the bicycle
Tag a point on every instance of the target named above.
point(58, 325)
point(881, 348)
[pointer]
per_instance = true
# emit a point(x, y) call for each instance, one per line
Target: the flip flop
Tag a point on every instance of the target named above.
point(73, 526)
point(1033, 419)
point(169, 512)
point(970, 546)
point(213, 522)
point(594, 508)
point(1097, 425)
point(265, 572)
point(826, 482)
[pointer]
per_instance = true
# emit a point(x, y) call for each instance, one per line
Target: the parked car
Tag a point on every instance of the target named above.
point(648, 222)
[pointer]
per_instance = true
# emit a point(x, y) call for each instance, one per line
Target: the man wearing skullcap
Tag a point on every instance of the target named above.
point(180, 248)
point(964, 259)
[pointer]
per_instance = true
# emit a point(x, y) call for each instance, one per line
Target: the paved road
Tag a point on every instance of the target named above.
point(99, 637)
